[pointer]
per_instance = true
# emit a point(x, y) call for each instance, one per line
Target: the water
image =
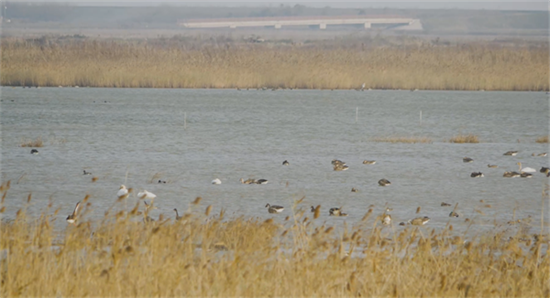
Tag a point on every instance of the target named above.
point(138, 136)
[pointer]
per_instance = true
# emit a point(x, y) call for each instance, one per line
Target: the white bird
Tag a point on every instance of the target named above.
point(122, 192)
point(526, 169)
point(216, 181)
point(146, 195)
point(386, 219)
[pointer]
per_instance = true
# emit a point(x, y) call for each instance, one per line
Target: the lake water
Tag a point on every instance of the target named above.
point(190, 137)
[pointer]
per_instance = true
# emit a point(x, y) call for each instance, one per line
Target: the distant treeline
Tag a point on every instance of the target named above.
point(188, 63)
point(134, 17)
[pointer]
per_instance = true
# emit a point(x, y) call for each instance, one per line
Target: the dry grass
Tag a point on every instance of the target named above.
point(173, 63)
point(469, 138)
point(403, 139)
point(209, 256)
point(543, 139)
point(32, 143)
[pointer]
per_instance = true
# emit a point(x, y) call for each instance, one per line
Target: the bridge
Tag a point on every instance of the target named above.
point(279, 22)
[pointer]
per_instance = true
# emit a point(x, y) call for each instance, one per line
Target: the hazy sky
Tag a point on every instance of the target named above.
point(461, 4)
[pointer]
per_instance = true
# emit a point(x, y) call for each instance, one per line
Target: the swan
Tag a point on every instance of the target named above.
point(274, 208)
point(384, 182)
point(419, 221)
point(526, 169)
point(122, 192)
point(467, 159)
point(146, 195)
point(72, 218)
point(216, 181)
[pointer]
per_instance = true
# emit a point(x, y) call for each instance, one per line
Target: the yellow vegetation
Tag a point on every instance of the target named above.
point(175, 64)
point(469, 138)
point(543, 139)
point(209, 256)
point(32, 143)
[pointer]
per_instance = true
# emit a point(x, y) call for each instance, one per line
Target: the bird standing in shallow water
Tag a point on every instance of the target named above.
point(274, 208)
point(144, 195)
point(178, 217)
point(72, 218)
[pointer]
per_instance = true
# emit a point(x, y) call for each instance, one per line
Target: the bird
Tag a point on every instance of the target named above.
point(122, 192)
point(386, 219)
point(248, 181)
point(286, 163)
point(492, 166)
point(340, 167)
point(526, 175)
point(363, 86)
point(353, 189)
point(216, 181)
point(383, 182)
point(178, 217)
point(511, 153)
point(146, 195)
point(336, 212)
point(544, 170)
point(162, 181)
point(467, 159)
point(72, 218)
point(476, 175)
point(369, 162)
point(445, 204)
point(34, 151)
point(526, 169)
point(542, 154)
point(419, 221)
point(453, 214)
point(261, 181)
point(337, 162)
point(274, 208)
point(511, 174)
point(87, 173)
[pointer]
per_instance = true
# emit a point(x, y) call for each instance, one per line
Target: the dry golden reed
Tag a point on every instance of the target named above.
point(469, 138)
point(403, 139)
point(543, 139)
point(202, 256)
point(172, 63)
point(32, 143)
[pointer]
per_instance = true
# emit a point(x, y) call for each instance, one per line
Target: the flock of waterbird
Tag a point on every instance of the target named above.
point(338, 165)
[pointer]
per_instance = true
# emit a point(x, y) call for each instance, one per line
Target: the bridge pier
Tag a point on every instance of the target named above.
point(322, 26)
point(367, 25)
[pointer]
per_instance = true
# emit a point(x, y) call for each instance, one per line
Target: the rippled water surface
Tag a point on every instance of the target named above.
point(190, 137)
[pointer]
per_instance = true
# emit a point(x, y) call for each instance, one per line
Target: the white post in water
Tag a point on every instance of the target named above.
point(420, 117)
point(356, 113)
point(185, 120)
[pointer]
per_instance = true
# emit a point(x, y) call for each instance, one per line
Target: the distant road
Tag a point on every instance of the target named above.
point(279, 22)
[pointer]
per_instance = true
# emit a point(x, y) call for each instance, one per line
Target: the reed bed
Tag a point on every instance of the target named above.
point(543, 139)
point(177, 64)
point(469, 138)
point(204, 255)
point(32, 143)
point(403, 139)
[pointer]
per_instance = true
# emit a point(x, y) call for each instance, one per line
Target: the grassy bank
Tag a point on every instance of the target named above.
point(175, 64)
point(204, 255)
